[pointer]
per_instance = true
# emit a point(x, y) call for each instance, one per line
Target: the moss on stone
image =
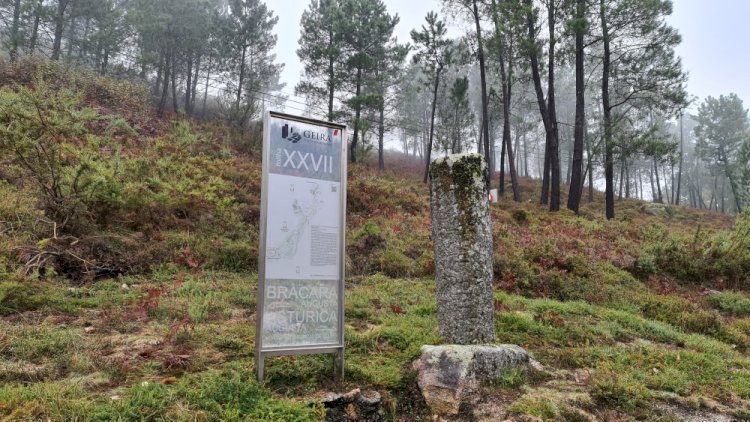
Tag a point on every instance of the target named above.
point(460, 173)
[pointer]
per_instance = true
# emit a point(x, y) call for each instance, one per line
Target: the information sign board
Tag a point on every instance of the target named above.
point(302, 239)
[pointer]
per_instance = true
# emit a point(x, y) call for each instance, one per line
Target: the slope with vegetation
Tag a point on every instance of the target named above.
point(128, 252)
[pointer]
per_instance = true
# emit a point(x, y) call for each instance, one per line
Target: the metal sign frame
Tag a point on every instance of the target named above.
point(337, 349)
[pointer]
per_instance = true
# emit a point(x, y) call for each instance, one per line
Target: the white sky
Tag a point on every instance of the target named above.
point(411, 12)
point(715, 48)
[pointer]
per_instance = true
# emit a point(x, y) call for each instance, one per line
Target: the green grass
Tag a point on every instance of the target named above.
point(179, 362)
point(230, 394)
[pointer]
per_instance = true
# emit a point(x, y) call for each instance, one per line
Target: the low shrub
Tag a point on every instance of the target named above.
point(734, 303)
point(17, 297)
point(722, 258)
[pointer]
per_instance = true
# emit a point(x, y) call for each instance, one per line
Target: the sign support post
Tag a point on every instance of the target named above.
point(300, 305)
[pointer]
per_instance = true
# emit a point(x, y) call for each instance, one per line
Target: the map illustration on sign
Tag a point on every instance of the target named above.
point(303, 233)
point(289, 245)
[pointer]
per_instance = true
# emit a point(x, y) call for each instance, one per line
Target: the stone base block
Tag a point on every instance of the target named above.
point(451, 376)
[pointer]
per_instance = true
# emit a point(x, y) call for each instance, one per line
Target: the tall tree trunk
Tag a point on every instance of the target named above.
point(493, 150)
point(544, 109)
point(331, 74)
point(432, 123)
point(59, 28)
point(71, 38)
point(554, 148)
point(671, 184)
point(381, 135)
point(590, 167)
point(636, 174)
point(505, 88)
point(735, 190)
point(105, 63)
point(241, 82)
point(144, 65)
point(608, 149)
point(35, 27)
point(691, 193)
point(205, 91)
point(506, 77)
point(194, 89)
point(576, 182)
point(660, 198)
point(501, 177)
point(517, 150)
point(667, 189)
point(14, 31)
point(546, 175)
point(188, 84)
point(569, 163)
point(165, 84)
point(525, 155)
point(160, 74)
point(627, 179)
point(459, 140)
point(651, 180)
point(511, 164)
point(699, 185)
point(542, 170)
point(175, 106)
point(83, 50)
point(358, 110)
point(483, 82)
point(454, 140)
point(713, 203)
point(701, 201)
point(640, 183)
point(679, 171)
point(480, 139)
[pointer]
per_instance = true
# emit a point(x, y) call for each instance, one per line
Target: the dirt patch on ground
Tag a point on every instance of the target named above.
point(694, 415)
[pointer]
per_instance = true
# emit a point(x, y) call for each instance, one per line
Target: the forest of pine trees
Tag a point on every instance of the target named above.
point(582, 94)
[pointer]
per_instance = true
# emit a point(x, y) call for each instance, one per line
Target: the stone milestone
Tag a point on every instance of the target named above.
point(462, 239)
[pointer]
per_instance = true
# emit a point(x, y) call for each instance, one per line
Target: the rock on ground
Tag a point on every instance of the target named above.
point(355, 405)
point(450, 376)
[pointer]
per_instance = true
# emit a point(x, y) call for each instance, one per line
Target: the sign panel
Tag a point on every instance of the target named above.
point(300, 282)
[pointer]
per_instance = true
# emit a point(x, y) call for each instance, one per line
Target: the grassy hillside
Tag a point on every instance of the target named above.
point(128, 250)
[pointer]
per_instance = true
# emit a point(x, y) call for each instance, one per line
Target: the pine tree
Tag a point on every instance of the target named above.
point(387, 70)
point(547, 108)
point(506, 16)
point(367, 28)
point(320, 49)
point(579, 25)
point(638, 46)
point(61, 7)
point(433, 53)
point(249, 63)
point(722, 131)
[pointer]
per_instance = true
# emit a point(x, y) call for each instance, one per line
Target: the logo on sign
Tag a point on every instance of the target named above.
point(287, 130)
point(290, 133)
